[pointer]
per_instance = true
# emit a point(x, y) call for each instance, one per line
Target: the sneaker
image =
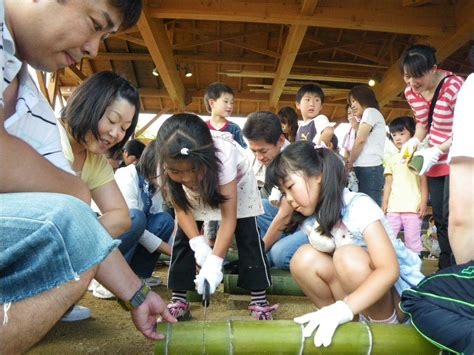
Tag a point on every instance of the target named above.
point(101, 292)
point(77, 313)
point(152, 281)
point(180, 311)
point(263, 312)
point(93, 285)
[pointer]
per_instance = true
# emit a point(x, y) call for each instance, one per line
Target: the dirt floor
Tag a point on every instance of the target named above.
point(111, 331)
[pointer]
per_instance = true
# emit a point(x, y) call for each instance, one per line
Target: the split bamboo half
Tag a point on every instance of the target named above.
point(285, 337)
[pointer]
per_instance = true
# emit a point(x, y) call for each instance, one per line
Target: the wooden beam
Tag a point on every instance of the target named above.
point(296, 76)
point(76, 73)
point(393, 84)
point(152, 120)
point(132, 39)
point(256, 49)
point(156, 39)
point(42, 83)
point(289, 53)
point(53, 88)
point(384, 16)
point(214, 39)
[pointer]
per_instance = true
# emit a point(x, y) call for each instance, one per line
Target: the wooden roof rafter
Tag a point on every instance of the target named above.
point(384, 16)
point(156, 39)
point(289, 53)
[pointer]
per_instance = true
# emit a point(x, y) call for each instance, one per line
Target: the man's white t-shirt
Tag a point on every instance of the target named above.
point(463, 122)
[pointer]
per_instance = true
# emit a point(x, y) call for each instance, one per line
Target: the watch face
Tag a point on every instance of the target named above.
point(140, 296)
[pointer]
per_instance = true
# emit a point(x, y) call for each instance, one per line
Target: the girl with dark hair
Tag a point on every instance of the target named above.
point(139, 186)
point(353, 264)
point(434, 117)
point(289, 122)
point(100, 116)
point(367, 152)
point(208, 177)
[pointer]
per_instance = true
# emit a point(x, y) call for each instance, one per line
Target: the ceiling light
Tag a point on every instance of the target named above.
point(187, 72)
point(371, 82)
point(155, 72)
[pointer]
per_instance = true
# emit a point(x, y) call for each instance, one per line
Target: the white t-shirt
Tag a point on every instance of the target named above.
point(321, 122)
point(127, 181)
point(372, 153)
point(235, 166)
point(463, 122)
point(34, 121)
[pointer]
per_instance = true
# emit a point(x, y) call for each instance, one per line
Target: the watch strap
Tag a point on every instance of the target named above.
point(137, 299)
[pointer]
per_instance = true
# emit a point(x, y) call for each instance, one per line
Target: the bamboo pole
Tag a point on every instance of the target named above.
point(282, 284)
point(285, 337)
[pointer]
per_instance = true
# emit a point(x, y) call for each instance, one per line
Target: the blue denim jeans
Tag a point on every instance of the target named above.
point(279, 256)
point(371, 181)
point(161, 224)
point(46, 240)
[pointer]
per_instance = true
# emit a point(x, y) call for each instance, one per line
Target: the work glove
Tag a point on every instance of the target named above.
point(200, 248)
point(327, 319)
point(430, 157)
point(210, 271)
point(408, 148)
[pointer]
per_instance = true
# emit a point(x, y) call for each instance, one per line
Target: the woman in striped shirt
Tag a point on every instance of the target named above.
point(420, 72)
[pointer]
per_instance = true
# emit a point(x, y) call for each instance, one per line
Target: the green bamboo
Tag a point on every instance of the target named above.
point(415, 164)
point(285, 337)
point(282, 284)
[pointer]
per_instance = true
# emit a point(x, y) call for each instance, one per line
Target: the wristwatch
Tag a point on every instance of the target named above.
point(137, 299)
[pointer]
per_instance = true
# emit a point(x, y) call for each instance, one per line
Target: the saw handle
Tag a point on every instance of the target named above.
point(206, 295)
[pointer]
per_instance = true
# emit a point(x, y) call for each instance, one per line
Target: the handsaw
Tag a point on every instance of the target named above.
point(206, 300)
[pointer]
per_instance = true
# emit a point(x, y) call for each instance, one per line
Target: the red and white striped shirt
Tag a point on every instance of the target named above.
point(442, 123)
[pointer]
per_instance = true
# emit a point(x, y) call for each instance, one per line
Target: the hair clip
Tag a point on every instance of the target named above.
point(184, 151)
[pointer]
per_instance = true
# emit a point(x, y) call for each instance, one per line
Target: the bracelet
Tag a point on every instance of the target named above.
point(137, 299)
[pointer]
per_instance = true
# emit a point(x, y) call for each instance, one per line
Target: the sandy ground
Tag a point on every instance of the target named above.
point(111, 331)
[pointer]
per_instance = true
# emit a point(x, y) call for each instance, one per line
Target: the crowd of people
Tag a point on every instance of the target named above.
point(282, 189)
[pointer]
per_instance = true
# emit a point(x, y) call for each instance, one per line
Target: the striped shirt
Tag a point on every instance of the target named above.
point(34, 121)
point(442, 123)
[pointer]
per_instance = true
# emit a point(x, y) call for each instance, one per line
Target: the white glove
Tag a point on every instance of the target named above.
point(430, 157)
point(408, 148)
point(328, 319)
point(210, 271)
point(201, 249)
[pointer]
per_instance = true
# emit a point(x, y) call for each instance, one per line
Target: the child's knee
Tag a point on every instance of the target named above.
point(351, 261)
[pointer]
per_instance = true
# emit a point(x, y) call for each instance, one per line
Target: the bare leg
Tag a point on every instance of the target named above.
point(29, 320)
point(461, 215)
point(353, 266)
point(315, 274)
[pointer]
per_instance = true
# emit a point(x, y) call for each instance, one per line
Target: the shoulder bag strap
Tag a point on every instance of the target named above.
point(434, 99)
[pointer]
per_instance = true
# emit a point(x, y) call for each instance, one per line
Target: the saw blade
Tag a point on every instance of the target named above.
point(206, 300)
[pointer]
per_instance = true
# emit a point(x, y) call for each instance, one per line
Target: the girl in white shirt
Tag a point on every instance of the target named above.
point(367, 152)
point(207, 176)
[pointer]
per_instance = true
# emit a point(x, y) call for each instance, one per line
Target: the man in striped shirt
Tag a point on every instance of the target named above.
point(420, 72)
point(51, 243)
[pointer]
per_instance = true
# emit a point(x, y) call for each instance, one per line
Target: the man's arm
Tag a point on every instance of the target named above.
point(24, 170)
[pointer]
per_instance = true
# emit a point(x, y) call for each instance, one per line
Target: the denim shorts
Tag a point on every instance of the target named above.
point(46, 240)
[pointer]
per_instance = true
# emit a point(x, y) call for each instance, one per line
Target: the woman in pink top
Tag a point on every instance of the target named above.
point(420, 72)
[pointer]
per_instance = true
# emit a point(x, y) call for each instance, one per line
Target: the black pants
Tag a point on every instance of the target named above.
point(439, 196)
point(442, 308)
point(254, 270)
